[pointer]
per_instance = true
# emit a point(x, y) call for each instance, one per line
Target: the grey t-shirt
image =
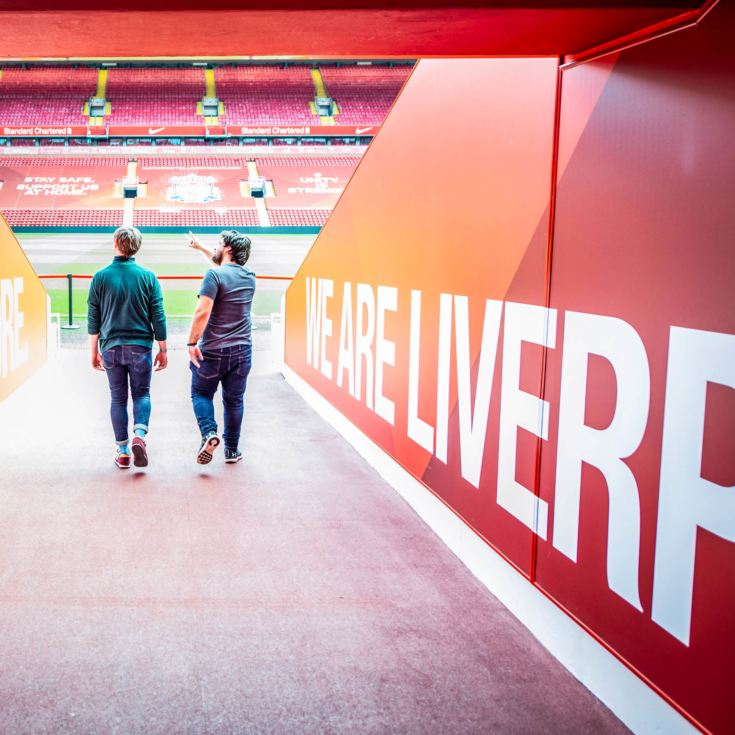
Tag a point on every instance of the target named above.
point(232, 287)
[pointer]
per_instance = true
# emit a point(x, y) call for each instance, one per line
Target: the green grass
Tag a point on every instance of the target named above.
point(179, 296)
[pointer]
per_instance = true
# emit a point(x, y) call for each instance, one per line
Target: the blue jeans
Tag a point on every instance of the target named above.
point(133, 363)
point(229, 366)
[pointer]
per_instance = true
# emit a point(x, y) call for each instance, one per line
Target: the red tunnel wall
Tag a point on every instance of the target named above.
point(640, 333)
point(644, 232)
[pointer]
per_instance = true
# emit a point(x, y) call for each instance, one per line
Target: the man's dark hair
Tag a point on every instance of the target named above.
point(239, 245)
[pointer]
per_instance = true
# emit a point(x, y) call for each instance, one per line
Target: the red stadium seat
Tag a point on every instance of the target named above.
point(266, 95)
point(364, 94)
point(298, 217)
point(149, 96)
point(45, 95)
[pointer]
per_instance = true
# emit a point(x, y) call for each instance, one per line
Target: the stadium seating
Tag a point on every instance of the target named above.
point(298, 217)
point(364, 94)
point(302, 161)
point(45, 95)
point(154, 218)
point(63, 217)
point(190, 162)
point(252, 95)
point(173, 162)
point(300, 199)
point(143, 218)
point(63, 162)
point(149, 96)
point(196, 218)
point(266, 95)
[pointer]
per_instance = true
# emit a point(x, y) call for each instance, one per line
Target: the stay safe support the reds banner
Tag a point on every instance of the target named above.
point(60, 183)
point(573, 402)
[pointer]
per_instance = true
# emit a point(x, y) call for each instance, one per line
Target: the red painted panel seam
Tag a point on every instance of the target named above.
point(658, 30)
point(547, 299)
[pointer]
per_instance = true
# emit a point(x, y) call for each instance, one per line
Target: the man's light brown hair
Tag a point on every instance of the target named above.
point(128, 240)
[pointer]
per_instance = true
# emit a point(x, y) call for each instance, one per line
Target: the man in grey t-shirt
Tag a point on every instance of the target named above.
point(220, 343)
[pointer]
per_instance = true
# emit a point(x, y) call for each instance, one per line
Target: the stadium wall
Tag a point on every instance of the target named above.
point(531, 333)
point(23, 315)
point(206, 193)
point(182, 230)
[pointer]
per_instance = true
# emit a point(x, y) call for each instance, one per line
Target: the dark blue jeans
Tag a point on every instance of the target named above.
point(229, 366)
point(133, 363)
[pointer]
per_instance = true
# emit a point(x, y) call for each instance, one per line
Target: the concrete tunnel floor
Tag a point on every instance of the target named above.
point(295, 592)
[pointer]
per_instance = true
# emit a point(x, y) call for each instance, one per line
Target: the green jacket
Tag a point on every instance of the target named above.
point(125, 305)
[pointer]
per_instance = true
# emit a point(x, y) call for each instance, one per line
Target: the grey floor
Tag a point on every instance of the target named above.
point(293, 593)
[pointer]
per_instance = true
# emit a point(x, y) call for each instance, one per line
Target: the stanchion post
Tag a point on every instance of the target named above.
point(70, 325)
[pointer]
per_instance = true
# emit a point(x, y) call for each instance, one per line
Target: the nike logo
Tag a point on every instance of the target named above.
point(153, 131)
point(360, 131)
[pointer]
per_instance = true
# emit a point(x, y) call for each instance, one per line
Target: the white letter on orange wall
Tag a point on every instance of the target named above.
point(21, 352)
point(523, 323)
point(326, 292)
point(7, 342)
point(365, 333)
point(473, 419)
point(346, 359)
point(385, 352)
point(418, 430)
point(313, 320)
point(605, 449)
point(687, 501)
point(442, 378)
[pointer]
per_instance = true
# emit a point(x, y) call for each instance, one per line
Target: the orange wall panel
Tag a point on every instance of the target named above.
point(23, 315)
point(451, 198)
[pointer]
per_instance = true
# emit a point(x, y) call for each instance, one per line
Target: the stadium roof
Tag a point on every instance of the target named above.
point(33, 29)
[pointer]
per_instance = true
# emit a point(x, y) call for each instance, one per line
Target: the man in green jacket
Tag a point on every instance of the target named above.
point(125, 313)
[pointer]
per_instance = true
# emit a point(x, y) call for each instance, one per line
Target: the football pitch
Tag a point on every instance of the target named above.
point(164, 254)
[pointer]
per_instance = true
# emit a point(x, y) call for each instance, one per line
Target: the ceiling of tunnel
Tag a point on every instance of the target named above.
point(350, 28)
